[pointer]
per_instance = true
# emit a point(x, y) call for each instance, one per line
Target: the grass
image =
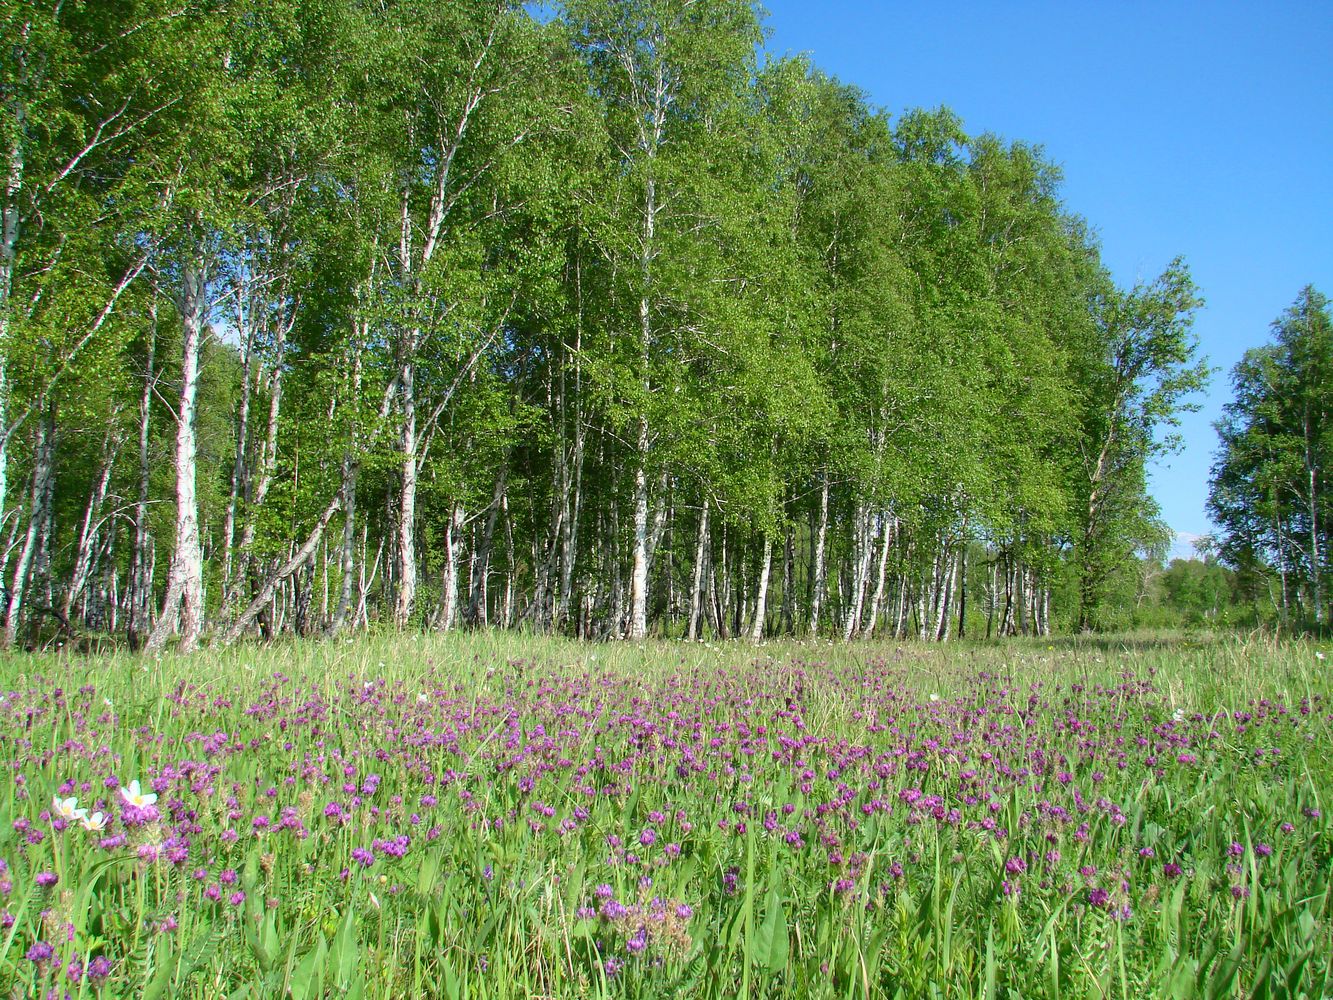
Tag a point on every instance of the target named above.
point(485, 815)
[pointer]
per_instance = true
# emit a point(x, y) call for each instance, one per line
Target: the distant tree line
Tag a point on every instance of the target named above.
point(316, 314)
point(1271, 482)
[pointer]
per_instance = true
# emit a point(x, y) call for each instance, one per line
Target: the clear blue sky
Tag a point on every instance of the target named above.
point(1198, 129)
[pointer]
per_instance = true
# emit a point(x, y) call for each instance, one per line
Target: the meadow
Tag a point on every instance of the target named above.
point(486, 816)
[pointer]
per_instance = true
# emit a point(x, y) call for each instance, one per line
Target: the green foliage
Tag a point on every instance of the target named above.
point(1137, 374)
point(1271, 481)
point(479, 280)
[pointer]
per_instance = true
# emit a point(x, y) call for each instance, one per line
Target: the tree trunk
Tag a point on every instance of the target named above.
point(41, 583)
point(821, 535)
point(185, 579)
point(1021, 597)
point(140, 589)
point(303, 590)
point(761, 593)
point(720, 588)
point(993, 595)
point(904, 599)
point(347, 557)
point(877, 602)
point(1316, 559)
point(511, 566)
point(42, 472)
point(863, 550)
point(638, 620)
point(453, 543)
point(280, 574)
point(570, 526)
point(406, 567)
point(697, 588)
point(239, 463)
point(789, 581)
point(1007, 617)
point(9, 236)
point(481, 565)
point(946, 601)
point(88, 530)
point(962, 592)
point(255, 483)
point(366, 583)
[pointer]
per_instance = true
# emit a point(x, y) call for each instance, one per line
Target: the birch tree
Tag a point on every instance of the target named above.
point(1140, 372)
point(1270, 484)
point(663, 69)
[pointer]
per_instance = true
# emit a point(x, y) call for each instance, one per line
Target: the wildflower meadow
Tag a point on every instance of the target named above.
point(470, 817)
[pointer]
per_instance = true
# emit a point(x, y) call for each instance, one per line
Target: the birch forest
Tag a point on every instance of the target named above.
point(600, 319)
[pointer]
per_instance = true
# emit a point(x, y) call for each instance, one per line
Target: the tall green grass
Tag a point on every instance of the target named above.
point(501, 909)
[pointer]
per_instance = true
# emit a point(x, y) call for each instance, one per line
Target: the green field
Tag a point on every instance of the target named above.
point(483, 816)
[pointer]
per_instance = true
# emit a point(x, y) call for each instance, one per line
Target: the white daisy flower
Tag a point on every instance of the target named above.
point(135, 797)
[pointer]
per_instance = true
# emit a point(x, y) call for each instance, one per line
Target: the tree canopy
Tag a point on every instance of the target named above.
point(321, 313)
point(1270, 483)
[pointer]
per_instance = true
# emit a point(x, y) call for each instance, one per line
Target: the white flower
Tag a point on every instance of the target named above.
point(96, 822)
point(133, 796)
point(67, 809)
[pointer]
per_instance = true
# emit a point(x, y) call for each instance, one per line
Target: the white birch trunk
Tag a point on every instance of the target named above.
point(570, 528)
point(945, 619)
point(140, 590)
point(697, 595)
point(347, 552)
point(477, 613)
point(862, 553)
point(877, 602)
point(41, 474)
point(761, 592)
point(185, 579)
point(264, 598)
point(83, 560)
point(406, 569)
point(258, 482)
point(1316, 559)
point(238, 469)
point(821, 537)
point(789, 581)
point(9, 236)
point(638, 612)
point(453, 543)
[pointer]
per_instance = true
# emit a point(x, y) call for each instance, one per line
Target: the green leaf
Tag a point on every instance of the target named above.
point(428, 873)
point(771, 943)
point(307, 980)
point(344, 952)
point(452, 987)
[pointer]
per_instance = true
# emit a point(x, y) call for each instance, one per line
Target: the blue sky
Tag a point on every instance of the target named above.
point(1196, 129)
